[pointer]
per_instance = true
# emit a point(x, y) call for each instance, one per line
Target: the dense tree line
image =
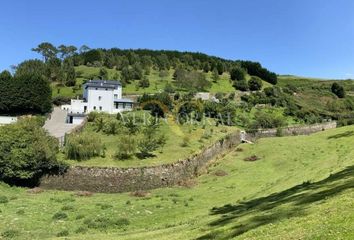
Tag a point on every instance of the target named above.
point(134, 62)
point(26, 92)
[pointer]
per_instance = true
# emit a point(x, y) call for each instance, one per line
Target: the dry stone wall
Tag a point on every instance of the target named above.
point(98, 179)
point(111, 180)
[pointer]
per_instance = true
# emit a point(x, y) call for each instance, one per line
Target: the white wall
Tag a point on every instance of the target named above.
point(100, 98)
point(7, 120)
point(78, 120)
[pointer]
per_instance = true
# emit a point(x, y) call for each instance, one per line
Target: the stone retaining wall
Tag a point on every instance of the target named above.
point(98, 179)
point(291, 131)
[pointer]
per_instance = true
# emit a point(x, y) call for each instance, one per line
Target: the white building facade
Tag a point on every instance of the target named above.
point(98, 95)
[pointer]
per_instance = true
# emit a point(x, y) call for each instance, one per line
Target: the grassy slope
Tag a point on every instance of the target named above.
point(287, 194)
point(157, 84)
point(315, 93)
point(172, 151)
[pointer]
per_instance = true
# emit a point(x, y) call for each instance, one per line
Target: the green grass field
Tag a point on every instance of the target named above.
point(300, 188)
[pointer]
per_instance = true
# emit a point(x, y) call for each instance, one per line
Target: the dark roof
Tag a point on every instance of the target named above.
point(124, 100)
point(102, 84)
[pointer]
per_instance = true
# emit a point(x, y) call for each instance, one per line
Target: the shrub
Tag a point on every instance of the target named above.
point(81, 230)
point(63, 233)
point(126, 147)
point(91, 117)
point(8, 234)
point(83, 146)
point(60, 216)
point(255, 84)
point(111, 126)
point(237, 73)
point(338, 90)
point(251, 158)
point(220, 173)
point(241, 85)
point(103, 223)
point(26, 152)
point(60, 100)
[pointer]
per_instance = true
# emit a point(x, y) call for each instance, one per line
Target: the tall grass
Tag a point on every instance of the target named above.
point(83, 146)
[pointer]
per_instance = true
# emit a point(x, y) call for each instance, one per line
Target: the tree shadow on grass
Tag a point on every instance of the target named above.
point(245, 216)
point(341, 135)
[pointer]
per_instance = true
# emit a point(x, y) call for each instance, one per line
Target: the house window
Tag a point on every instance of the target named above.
point(99, 98)
point(116, 105)
point(106, 89)
point(115, 96)
point(100, 108)
point(94, 107)
point(96, 88)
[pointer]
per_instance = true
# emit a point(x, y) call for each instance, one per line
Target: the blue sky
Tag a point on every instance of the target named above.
point(304, 37)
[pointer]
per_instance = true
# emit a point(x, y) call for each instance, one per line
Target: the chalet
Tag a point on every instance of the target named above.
point(98, 95)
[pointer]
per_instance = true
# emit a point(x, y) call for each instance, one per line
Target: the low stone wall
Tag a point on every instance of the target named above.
point(291, 131)
point(97, 179)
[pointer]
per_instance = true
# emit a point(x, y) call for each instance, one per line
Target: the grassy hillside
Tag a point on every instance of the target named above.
point(300, 188)
point(157, 83)
point(199, 137)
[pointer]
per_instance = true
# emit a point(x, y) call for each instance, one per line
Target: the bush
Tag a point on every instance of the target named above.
point(111, 126)
point(83, 146)
point(241, 85)
point(63, 233)
point(103, 223)
point(126, 147)
point(8, 234)
point(237, 74)
point(60, 216)
point(255, 84)
point(26, 152)
point(338, 90)
point(60, 100)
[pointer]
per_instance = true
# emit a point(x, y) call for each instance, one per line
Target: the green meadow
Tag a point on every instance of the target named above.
point(297, 188)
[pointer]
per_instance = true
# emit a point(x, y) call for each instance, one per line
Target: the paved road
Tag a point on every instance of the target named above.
point(56, 125)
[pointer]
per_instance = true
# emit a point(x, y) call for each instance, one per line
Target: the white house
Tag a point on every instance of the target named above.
point(100, 96)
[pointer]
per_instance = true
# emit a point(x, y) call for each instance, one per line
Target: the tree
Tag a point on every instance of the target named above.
point(144, 82)
point(103, 74)
point(241, 85)
point(66, 51)
point(255, 83)
point(70, 74)
point(215, 75)
point(151, 140)
point(84, 49)
point(5, 92)
point(220, 67)
point(32, 67)
point(338, 90)
point(47, 50)
point(256, 69)
point(55, 72)
point(237, 74)
point(26, 152)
